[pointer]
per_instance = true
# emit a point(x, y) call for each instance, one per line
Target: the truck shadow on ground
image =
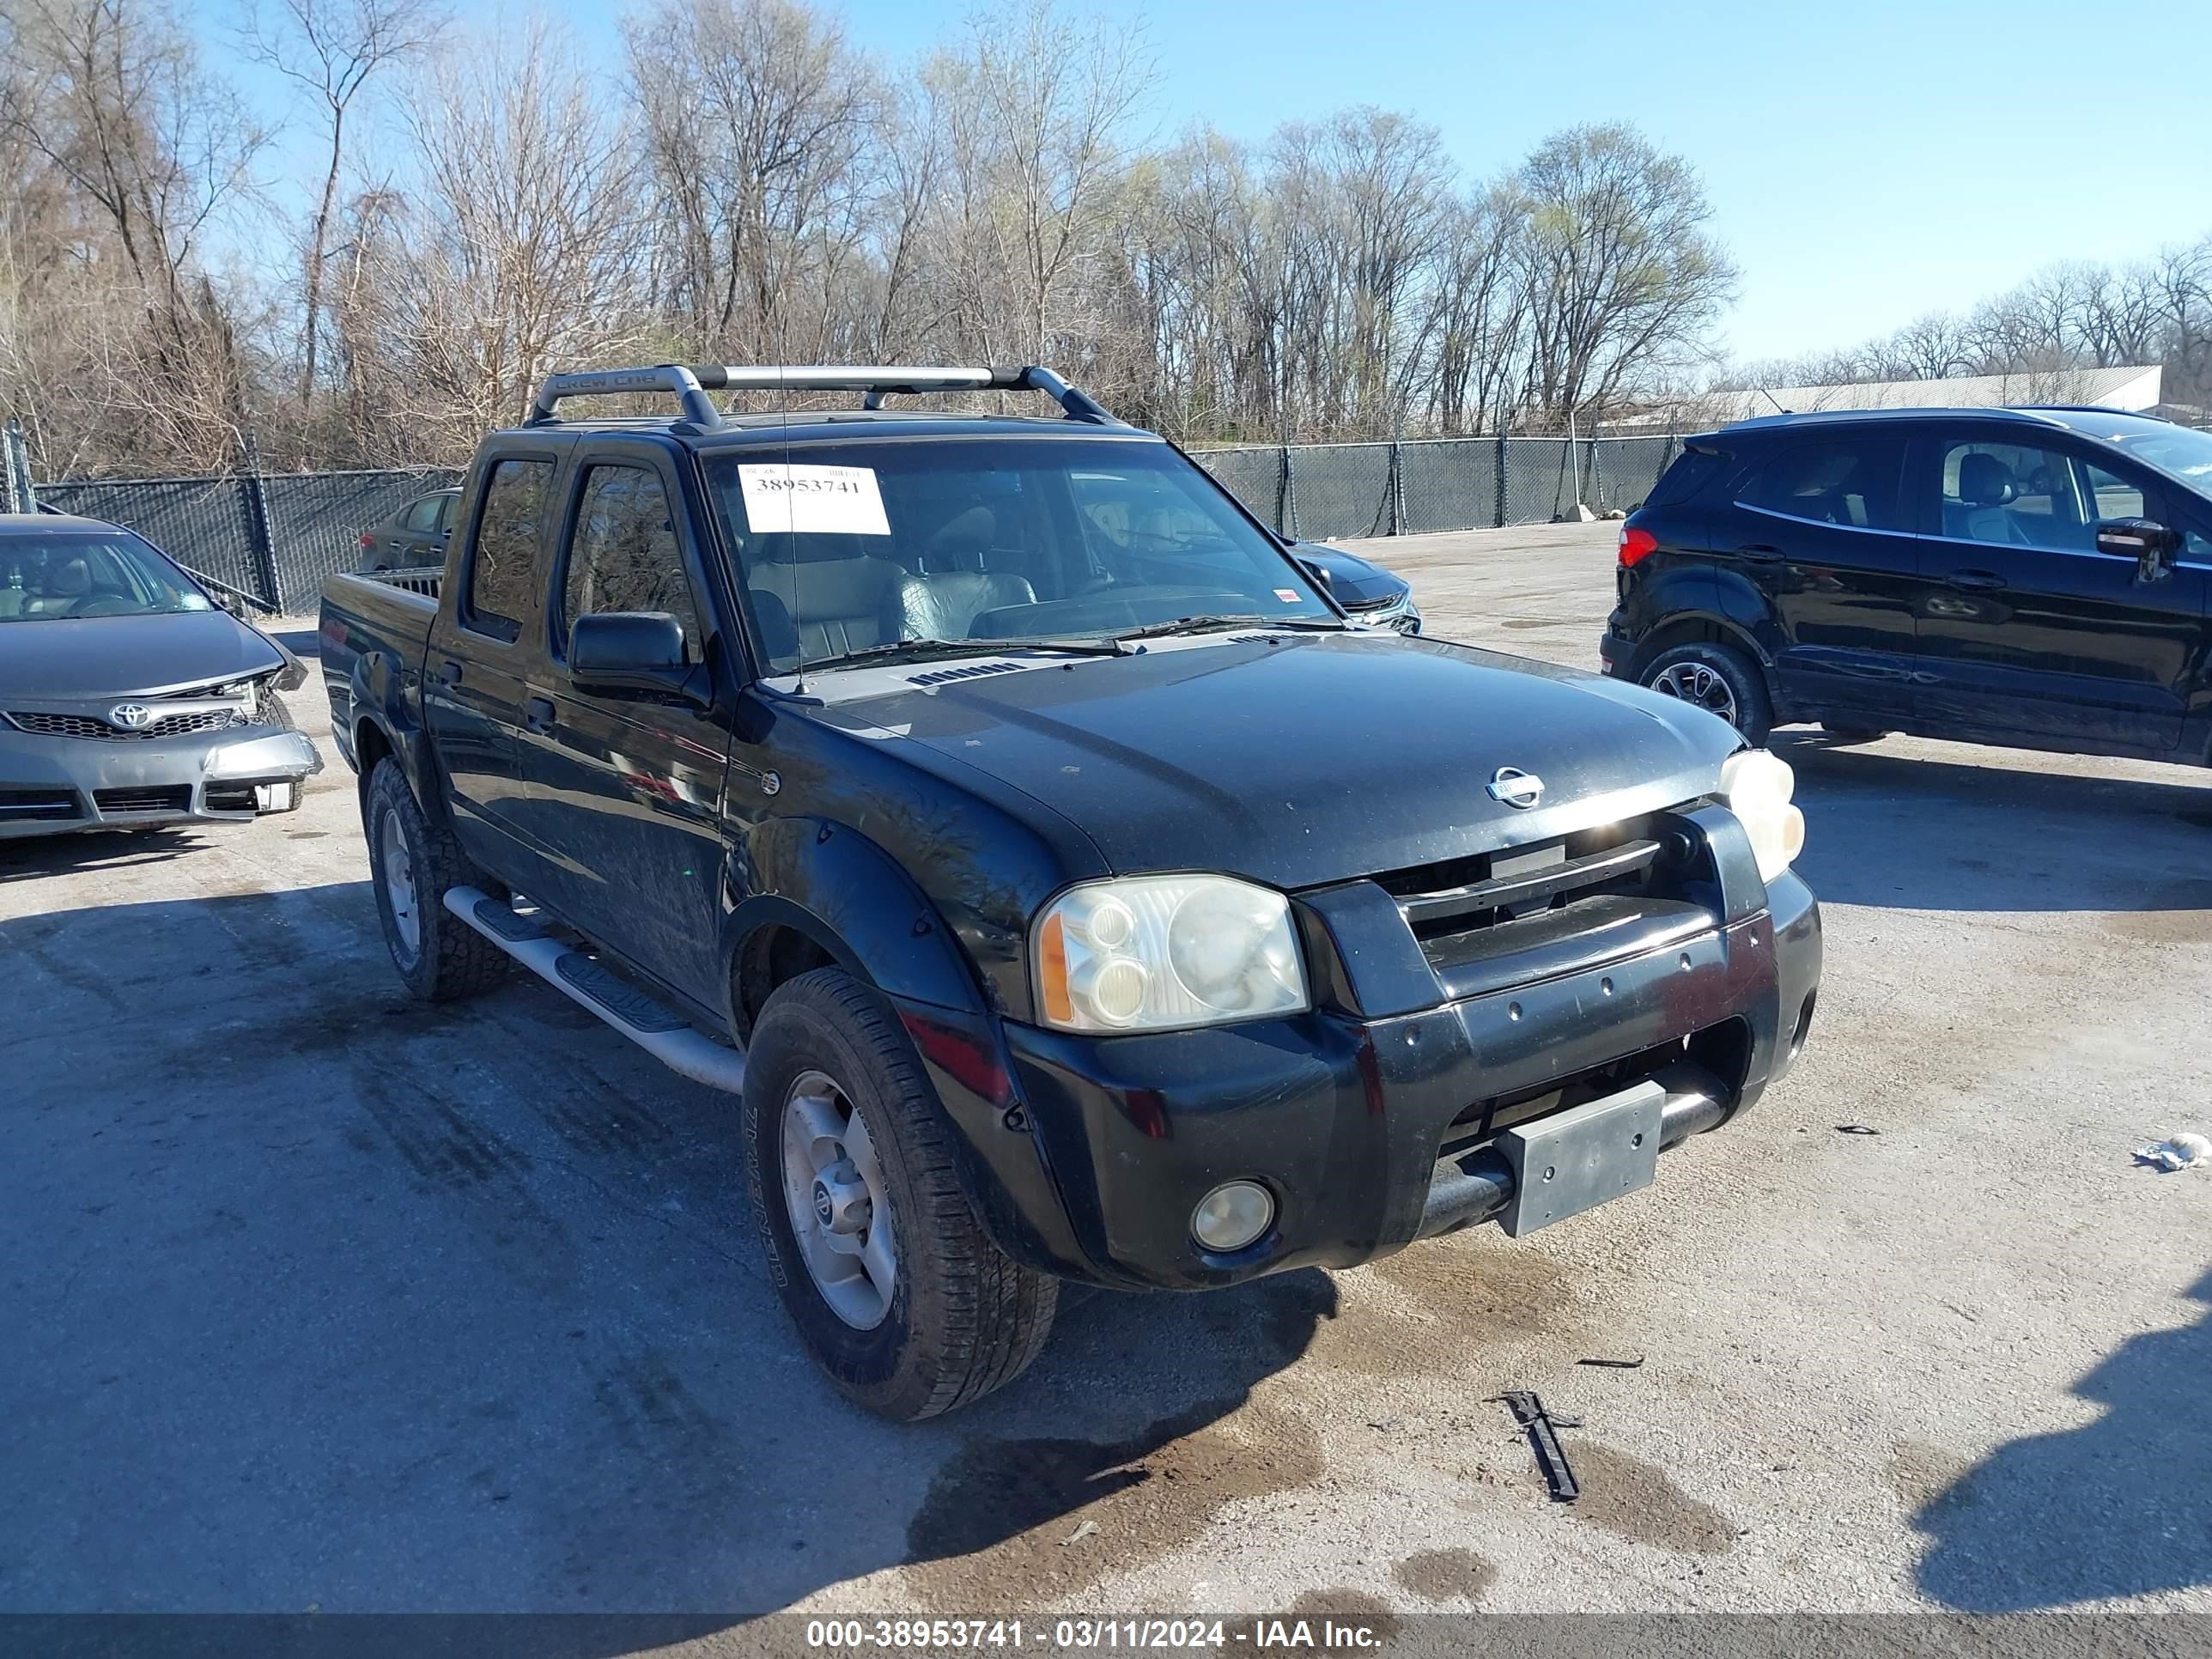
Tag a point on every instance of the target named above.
point(1922, 834)
point(324, 1298)
point(2121, 1507)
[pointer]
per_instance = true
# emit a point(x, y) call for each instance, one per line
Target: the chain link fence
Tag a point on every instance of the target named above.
point(267, 538)
point(1328, 492)
point(270, 538)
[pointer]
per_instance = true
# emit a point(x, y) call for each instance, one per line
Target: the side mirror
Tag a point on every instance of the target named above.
point(1318, 571)
point(631, 651)
point(2151, 545)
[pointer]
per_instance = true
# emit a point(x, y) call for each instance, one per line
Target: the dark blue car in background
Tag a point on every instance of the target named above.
point(2030, 577)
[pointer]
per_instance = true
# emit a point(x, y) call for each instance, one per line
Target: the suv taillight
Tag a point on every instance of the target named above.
point(367, 540)
point(1635, 542)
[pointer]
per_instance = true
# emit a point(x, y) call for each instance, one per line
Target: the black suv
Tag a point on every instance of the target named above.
point(2031, 577)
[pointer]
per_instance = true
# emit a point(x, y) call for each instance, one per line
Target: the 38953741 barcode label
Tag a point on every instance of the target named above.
point(822, 501)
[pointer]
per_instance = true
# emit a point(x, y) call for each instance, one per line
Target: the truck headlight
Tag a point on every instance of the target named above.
point(1158, 953)
point(1757, 786)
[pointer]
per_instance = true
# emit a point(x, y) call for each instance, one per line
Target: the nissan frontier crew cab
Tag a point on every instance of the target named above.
point(1016, 826)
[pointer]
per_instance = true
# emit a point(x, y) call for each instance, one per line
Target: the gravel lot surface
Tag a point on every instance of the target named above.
point(311, 1297)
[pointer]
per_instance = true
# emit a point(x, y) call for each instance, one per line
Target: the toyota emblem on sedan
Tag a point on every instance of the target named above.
point(130, 716)
point(1515, 787)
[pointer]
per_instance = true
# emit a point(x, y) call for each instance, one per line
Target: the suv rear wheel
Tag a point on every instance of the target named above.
point(1719, 680)
point(897, 1291)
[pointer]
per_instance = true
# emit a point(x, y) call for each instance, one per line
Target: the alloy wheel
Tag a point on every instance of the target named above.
point(399, 884)
point(1699, 683)
point(833, 1191)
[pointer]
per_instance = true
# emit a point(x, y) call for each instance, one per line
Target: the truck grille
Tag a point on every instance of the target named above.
point(86, 726)
point(1527, 913)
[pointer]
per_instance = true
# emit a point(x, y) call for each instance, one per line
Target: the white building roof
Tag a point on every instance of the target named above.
point(2129, 388)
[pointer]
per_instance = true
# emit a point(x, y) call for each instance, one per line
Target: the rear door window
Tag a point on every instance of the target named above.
point(1850, 482)
point(510, 531)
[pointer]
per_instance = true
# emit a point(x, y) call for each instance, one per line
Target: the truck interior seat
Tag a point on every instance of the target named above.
point(838, 596)
point(952, 586)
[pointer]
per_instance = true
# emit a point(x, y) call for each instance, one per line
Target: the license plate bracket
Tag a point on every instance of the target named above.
point(1577, 1159)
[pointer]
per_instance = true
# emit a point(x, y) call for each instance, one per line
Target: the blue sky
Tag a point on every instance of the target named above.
point(1867, 161)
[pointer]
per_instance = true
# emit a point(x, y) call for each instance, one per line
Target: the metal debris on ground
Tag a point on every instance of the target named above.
point(2183, 1151)
point(1855, 1129)
point(1541, 1424)
point(1079, 1533)
point(1628, 1365)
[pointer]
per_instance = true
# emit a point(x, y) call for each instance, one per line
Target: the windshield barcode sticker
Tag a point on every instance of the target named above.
point(813, 501)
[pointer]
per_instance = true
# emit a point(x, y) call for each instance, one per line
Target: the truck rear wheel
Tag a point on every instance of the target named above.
point(411, 864)
point(897, 1291)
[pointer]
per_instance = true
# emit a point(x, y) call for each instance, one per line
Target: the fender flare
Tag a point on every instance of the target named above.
point(856, 903)
point(376, 699)
point(1701, 622)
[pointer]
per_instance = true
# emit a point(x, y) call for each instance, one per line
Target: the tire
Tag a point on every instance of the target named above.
point(444, 958)
point(1718, 678)
point(275, 711)
point(1853, 733)
point(961, 1318)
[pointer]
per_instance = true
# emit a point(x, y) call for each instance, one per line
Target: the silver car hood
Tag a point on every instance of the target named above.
point(86, 657)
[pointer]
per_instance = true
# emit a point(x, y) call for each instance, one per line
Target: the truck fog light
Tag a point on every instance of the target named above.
point(1232, 1215)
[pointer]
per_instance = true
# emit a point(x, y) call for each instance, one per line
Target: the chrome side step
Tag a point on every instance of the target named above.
point(659, 1030)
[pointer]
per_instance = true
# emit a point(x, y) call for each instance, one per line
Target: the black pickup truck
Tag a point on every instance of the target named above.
point(1016, 825)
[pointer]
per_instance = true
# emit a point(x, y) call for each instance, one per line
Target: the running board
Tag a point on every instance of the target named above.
point(662, 1032)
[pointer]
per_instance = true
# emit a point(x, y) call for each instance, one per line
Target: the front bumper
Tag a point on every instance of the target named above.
point(53, 785)
point(1360, 1128)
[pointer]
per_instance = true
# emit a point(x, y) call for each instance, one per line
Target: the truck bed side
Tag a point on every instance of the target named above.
point(375, 628)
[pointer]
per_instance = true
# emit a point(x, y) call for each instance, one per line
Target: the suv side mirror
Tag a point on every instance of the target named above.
point(2151, 545)
point(634, 651)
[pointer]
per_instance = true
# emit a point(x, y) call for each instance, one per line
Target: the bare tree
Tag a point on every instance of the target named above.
point(330, 49)
point(756, 157)
point(517, 252)
point(141, 151)
point(1622, 275)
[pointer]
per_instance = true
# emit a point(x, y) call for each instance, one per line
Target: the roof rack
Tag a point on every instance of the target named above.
point(692, 385)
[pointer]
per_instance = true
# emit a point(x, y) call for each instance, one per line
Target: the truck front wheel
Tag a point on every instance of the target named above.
point(411, 864)
point(897, 1291)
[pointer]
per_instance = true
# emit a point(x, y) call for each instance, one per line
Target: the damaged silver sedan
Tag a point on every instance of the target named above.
point(128, 699)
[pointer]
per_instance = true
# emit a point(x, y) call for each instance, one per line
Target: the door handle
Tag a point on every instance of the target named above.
point(537, 714)
point(1761, 552)
point(449, 674)
point(1975, 581)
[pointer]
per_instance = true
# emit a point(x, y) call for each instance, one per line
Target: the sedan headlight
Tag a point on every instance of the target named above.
point(1158, 953)
point(1757, 786)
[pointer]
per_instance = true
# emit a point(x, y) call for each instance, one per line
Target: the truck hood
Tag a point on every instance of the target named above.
point(1317, 758)
point(93, 657)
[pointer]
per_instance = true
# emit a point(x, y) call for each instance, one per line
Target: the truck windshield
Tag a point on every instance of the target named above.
point(58, 576)
point(850, 547)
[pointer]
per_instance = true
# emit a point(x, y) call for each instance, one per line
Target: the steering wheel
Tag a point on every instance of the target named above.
point(99, 604)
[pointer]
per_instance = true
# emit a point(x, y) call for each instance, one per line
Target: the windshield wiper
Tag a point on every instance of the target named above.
point(1202, 624)
point(887, 650)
